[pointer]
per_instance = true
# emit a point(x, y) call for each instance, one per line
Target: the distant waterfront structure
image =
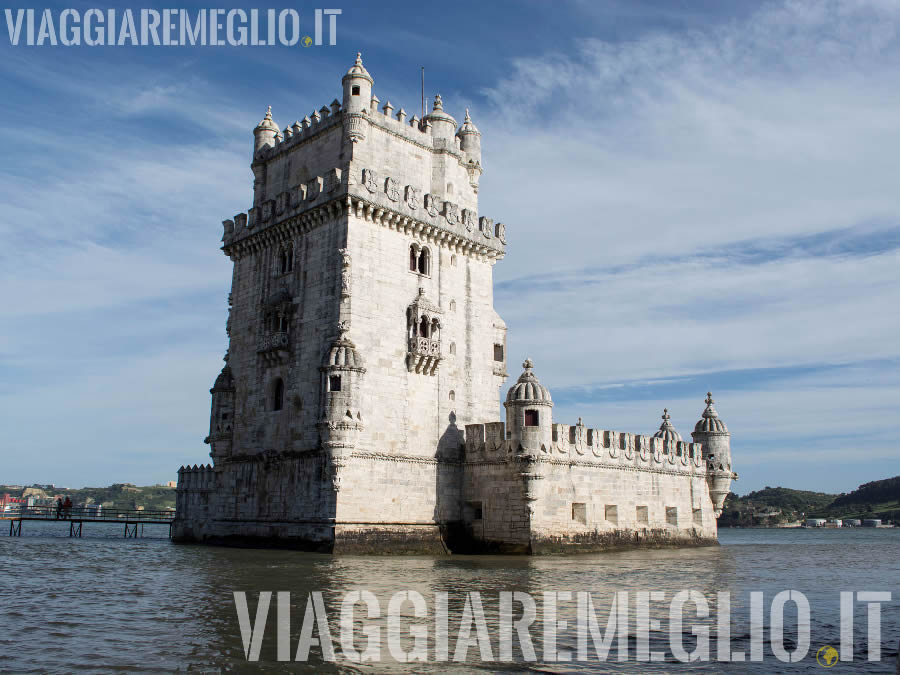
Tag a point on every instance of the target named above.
point(357, 408)
point(815, 522)
point(871, 522)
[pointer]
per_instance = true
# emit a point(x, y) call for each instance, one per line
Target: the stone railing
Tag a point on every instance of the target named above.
point(273, 341)
point(424, 347)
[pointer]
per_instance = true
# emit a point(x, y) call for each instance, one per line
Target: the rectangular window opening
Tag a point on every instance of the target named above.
point(612, 514)
point(672, 516)
point(498, 353)
point(334, 383)
point(531, 418)
point(698, 516)
point(579, 513)
point(643, 516)
point(474, 511)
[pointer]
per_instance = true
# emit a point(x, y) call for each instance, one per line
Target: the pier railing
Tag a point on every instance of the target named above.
point(86, 514)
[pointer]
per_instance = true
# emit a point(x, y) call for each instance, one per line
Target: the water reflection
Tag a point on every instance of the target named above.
point(84, 604)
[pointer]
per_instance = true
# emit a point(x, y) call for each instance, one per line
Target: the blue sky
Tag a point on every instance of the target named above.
point(699, 195)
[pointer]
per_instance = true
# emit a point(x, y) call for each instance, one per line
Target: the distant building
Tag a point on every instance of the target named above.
point(871, 522)
point(172, 484)
point(815, 522)
point(853, 522)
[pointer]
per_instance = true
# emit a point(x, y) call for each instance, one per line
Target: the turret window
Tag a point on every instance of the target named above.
point(498, 352)
point(531, 418)
point(285, 262)
point(278, 394)
point(419, 260)
point(334, 383)
point(354, 91)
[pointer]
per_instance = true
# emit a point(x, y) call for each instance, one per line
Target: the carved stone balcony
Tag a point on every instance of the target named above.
point(274, 346)
point(424, 355)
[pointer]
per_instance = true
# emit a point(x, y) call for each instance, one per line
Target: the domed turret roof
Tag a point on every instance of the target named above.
point(225, 380)
point(527, 389)
point(710, 420)
point(468, 127)
point(666, 430)
point(267, 124)
point(359, 70)
point(342, 353)
point(437, 112)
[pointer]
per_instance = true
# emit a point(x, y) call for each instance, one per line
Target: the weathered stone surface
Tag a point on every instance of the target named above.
point(365, 358)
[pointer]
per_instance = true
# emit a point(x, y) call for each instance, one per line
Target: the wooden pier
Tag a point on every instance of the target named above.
point(77, 516)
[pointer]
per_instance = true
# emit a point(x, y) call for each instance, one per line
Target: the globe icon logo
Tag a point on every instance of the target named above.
point(827, 656)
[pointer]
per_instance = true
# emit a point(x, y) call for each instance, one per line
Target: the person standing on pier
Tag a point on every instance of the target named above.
point(59, 507)
point(67, 507)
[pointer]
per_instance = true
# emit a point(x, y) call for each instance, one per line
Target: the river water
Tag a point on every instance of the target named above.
point(103, 603)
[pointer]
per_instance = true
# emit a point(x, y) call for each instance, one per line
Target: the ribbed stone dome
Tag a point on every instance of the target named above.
point(343, 354)
point(528, 389)
point(359, 70)
point(666, 430)
point(225, 380)
point(267, 123)
point(468, 127)
point(437, 112)
point(710, 421)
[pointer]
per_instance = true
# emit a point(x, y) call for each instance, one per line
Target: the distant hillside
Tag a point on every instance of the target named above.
point(116, 496)
point(772, 506)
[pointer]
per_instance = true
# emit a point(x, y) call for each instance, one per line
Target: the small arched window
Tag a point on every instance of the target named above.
point(453, 260)
point(452, 395)
point(334, 383)
point(453, 348)
point(278, 394)
point(423, 327)
point(290, 259)
point(413, 259)
point(425, 261)
point(435, 330)
point(453, 305)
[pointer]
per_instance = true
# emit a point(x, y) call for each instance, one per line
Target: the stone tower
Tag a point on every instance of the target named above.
point(362, 334)
point(363, 340)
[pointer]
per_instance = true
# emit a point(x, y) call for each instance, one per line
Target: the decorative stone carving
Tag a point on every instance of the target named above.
point(314, 188)
point(391, 189)
point(468, 219)
point(486, 225)
point(370, 180)
point(413, 197)
point(451, 213)
point(431, 205)
point(332, 180)
point(501, 232)
point(345, 275)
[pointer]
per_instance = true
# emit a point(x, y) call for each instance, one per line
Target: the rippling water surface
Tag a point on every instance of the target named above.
point(103, 603)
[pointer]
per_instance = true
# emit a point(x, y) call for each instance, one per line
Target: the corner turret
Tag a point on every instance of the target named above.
point(470, 143)
point(443, 126)
point(221, 419)
point(265, 132)
point(529, 417)
point(341, 417)
point(713, 434)
point(357, 84)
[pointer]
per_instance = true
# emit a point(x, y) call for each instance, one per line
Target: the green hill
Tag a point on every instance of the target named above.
point(772, 506)
point(117, 496)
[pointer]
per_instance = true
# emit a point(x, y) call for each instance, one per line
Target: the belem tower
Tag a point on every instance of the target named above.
point(357, 409)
